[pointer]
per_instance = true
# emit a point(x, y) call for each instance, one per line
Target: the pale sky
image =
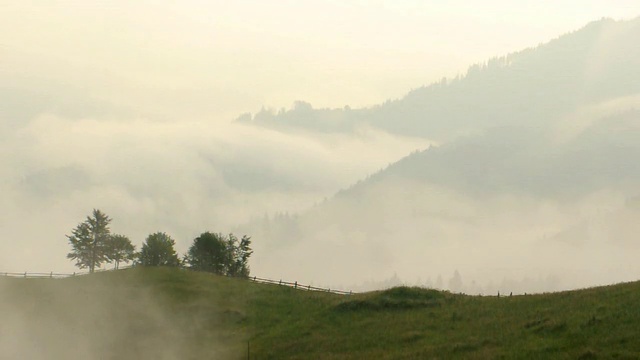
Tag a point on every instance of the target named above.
point(218, 59)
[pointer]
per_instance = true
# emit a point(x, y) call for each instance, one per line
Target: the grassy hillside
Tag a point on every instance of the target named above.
point(167, 314)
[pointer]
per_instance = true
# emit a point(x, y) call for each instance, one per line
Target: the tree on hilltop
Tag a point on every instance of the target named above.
point(208, 253)
point(88, 241)
point(239, 253)
point(158, 250)
point(219, 254)
point(120, 249)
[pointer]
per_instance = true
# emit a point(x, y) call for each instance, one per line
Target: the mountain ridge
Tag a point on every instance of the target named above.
point(541, 177)
point(555, 86)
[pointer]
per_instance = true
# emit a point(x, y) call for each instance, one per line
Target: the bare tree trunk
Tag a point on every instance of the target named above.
point(92, 266)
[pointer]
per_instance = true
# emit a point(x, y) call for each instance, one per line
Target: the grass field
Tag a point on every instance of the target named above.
point(172, 314)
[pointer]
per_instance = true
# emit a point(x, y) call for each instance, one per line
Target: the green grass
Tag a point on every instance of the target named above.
point(209, 315)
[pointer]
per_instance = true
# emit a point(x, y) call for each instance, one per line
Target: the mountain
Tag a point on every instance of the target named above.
point(535, 87)
point(532, 161)
point(520, 203)
point(534, 176)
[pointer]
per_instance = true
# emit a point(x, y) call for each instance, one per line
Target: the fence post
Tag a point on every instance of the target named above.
point(295, 285)
point(280, 283)
point(51, 275)
point(25, 274)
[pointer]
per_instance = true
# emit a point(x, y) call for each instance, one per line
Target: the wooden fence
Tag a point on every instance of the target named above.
point(297, 285)
point(53, 275)
point(49, 275)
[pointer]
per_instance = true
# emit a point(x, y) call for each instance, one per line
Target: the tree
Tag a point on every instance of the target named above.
point(209, 253)
point(239, 255)
point(219, 254)
point(119, 249)
point(88, 241)
point(158, 250)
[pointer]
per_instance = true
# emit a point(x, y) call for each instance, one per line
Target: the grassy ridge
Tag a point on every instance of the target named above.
point(217, 315)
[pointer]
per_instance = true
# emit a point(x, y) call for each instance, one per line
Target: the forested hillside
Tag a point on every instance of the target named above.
point(533, 87)
point(538, 159)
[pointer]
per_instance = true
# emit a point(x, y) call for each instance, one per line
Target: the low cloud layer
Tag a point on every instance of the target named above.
point(182, 177)
point(128, 110)
point(511, 210)
point(418, 233)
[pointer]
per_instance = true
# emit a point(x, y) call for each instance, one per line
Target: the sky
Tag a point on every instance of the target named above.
point(218, 59)
point(127, 107)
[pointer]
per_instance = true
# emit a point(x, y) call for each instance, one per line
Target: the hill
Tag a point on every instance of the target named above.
point(509, 203)
point(530, 188)
point(172, 314)
point(535, 86)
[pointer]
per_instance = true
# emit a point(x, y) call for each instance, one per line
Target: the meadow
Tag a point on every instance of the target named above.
point(169, 313)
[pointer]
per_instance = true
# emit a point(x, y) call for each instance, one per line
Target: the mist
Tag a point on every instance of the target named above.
point(183, 178)
point(356, 155)
point(510, 210)
point(105, 318)
point(418, 233)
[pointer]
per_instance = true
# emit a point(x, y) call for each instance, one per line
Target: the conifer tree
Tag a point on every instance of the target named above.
point(89, 241)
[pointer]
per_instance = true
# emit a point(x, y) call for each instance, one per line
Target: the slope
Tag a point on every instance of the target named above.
point(509, 202)
point(535, 86)
point(195, 315)
point(537, 151)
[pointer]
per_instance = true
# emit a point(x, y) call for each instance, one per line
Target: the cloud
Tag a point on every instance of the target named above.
point(127, 113)
point(183, 177)
point(498, 242)
point(511, 209)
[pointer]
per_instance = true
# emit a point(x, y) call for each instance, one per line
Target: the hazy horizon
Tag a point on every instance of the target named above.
point(130, 108)
point(247, 54)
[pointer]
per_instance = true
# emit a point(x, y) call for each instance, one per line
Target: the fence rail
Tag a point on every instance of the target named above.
point(299, 286)
point(54, 275)
point(49, 275)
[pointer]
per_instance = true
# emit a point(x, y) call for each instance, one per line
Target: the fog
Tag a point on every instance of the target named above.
point(417, 233)
point(511, 209)
point(183, 178)
point(359, 146)
point(104, 318)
